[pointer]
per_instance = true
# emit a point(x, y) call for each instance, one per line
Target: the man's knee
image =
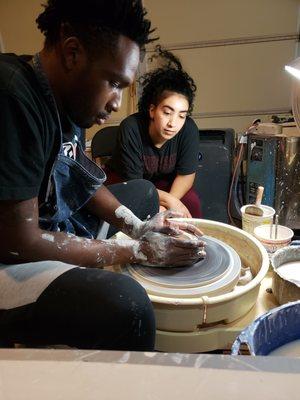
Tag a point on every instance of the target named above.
point(145, 188)
point(132, 314)
point(142, 315)
point(146, 195)
point(131, 300)
point(98, 309)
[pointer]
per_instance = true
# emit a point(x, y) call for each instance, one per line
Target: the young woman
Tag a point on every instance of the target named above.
point(161, 142)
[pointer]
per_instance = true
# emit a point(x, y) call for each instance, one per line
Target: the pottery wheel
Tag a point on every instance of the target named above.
point(216, 274)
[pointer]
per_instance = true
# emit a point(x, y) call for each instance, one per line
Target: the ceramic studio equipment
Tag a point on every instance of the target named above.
point(274, 330)
point(250, 222)
point(192, 309)
point(271, 241)
point(286, 273)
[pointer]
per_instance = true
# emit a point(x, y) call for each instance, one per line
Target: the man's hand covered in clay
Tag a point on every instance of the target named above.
point(161, 239)
point(161, 222)
point(164, 250)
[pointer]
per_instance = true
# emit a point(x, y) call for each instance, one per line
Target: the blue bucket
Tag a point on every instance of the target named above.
point(271, 330)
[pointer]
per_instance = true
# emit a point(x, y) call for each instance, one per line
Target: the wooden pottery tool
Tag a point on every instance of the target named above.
point(255, 209)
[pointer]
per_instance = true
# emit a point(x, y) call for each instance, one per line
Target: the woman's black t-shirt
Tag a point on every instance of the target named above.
point(136, 157)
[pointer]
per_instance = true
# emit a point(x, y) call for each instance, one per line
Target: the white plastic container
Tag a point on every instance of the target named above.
point(250, 222)
point(263, 234)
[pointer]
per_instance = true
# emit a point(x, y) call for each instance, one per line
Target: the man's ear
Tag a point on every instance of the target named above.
point(73, 53)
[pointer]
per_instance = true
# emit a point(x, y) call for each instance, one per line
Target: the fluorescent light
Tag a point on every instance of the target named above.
point(294, 68)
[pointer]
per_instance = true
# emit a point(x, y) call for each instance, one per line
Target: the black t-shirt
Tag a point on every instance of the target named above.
point(29, 133)
point(135, 156)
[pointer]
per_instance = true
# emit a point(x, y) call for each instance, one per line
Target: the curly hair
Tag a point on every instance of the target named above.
point(96, 23)
point(168, 77)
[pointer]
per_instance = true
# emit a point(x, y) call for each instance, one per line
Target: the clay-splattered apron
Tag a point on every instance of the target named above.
point(72, 182)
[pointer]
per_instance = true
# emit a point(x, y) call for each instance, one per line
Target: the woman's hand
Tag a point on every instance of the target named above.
point(177, 205)
point(162, 209)
point(170, 202)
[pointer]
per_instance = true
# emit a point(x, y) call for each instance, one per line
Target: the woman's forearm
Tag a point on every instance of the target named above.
point(164, 198)
point(181, 185)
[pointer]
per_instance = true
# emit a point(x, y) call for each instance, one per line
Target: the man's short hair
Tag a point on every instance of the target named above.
point(95, 22)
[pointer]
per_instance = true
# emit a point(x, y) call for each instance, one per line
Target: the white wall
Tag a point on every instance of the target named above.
point(18, 27)
point(236, 51)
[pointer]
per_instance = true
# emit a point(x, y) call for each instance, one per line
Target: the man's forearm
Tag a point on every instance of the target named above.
point(103, 205)
point(21, 239)
point(39, 245)
point(106, 207)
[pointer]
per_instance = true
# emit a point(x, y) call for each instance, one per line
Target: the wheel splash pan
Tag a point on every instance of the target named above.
point(177, 314)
